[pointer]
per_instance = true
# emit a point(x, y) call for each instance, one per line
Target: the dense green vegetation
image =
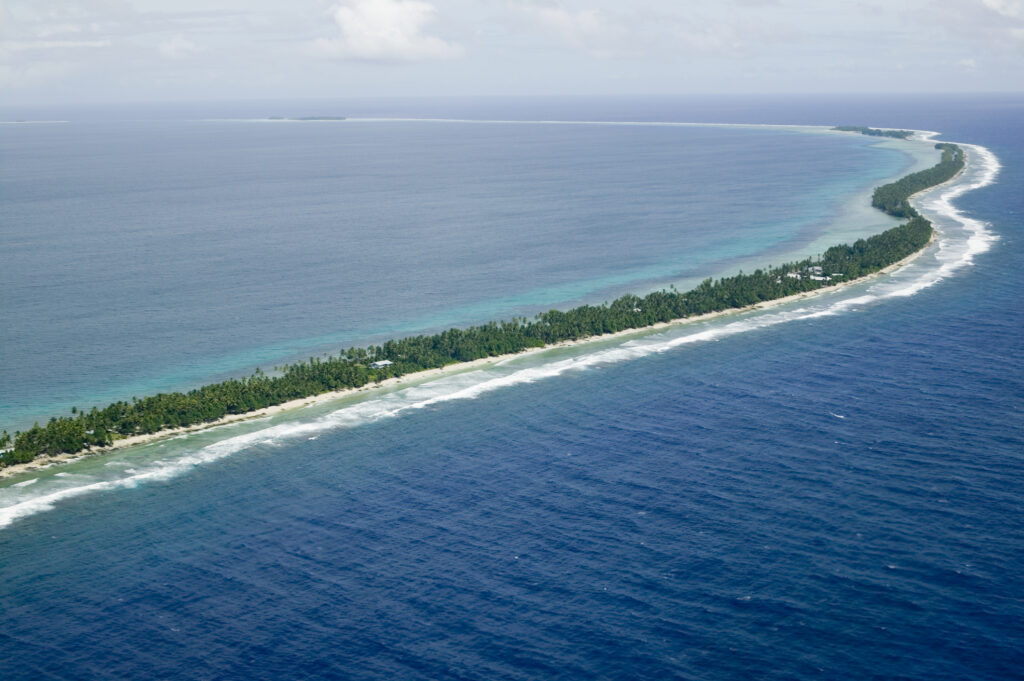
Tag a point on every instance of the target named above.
point(892, 198)
point(875, 132)
point(354, 367)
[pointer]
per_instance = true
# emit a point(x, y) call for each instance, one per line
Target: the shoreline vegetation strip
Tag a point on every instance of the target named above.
point(875, 132)
point(98, 429)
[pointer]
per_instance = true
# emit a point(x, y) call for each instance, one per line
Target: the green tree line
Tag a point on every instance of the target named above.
point(875, 132)
point(893, 197)
point(352, 368)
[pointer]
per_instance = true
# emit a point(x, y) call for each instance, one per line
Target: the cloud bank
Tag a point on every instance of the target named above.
point(385, 31)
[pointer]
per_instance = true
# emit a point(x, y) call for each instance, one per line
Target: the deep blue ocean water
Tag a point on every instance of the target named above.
point(836, 495)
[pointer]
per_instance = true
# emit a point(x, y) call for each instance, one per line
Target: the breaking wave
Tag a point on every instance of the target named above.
point(959, 239)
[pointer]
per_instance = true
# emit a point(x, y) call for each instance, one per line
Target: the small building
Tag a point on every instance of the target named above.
point(380, 364)
point(793, 275)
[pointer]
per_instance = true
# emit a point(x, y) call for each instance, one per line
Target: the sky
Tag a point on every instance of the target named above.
point(93, 51)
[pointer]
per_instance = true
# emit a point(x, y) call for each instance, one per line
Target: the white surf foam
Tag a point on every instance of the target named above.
point(960, 239)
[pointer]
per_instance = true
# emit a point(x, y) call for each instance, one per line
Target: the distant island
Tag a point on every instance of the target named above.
point(307, 118)
point(161, 414)
point(875, 132)
point(26, 121)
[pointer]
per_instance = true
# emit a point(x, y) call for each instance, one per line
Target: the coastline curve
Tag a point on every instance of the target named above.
point(957, 240)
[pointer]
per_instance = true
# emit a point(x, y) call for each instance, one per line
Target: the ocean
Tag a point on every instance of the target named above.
point(828, 489)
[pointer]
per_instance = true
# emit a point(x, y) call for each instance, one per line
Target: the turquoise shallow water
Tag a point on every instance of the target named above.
point(828, 490)
point(148, 256)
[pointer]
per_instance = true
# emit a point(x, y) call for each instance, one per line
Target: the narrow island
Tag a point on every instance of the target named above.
point(875, 132)
point(122, 422)
point(307, 118)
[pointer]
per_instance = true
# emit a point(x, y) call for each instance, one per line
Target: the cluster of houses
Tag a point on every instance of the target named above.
point(814, 273)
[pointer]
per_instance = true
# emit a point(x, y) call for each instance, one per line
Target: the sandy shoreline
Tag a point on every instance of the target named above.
point(46, 461)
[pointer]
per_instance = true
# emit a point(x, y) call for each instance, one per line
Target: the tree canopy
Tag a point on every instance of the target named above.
point(98, 427)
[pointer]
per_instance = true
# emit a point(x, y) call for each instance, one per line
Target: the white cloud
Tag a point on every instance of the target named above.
point(34, 73)
point(58, 29)
point(1012, 10)
point(596, 31)
point(385, 31)
point(178, 47)
point(662, 32)
point(584, 28)
point(990, 25)
point(85, 50)
point(1008, 8)
point(712, 39)
point(24, 45)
